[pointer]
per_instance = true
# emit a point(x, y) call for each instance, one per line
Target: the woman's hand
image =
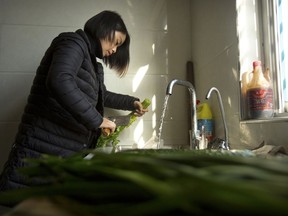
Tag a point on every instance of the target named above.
point(139, 109)
point(108, 127)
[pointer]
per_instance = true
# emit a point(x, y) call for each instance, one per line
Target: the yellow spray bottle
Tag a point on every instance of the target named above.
point(205, 118)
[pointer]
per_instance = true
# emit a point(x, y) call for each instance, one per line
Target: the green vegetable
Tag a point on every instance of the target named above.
point(160, 182)
point(113, 137)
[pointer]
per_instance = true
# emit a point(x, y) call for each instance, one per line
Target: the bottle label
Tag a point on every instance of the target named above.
point(208, 124)
point(260, 102)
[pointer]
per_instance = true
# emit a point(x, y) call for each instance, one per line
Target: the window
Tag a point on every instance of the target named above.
point(262, 27)
point(275, 41)
point(282, 35)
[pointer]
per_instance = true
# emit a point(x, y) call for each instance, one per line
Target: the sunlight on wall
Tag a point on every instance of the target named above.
point(235, 73)
point(229, 101)
point(139, 77)
point(138, 138)
point(138, 132)
point(248, 37)
point(153, 109)
point(248, 33)
point(154, 118)
point(156, 48)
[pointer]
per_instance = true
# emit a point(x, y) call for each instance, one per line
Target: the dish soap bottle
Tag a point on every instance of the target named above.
point(259, 94)
point(205, 118)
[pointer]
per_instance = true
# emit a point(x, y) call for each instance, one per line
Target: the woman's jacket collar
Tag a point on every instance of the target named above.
point(94, 45)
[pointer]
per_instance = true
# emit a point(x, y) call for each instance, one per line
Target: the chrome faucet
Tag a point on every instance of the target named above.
point(225, 144)
point(193, 134)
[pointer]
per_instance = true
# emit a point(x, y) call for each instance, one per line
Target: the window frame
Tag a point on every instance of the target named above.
point(270, 49)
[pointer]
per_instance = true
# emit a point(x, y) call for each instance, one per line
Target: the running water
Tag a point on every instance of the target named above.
point(162, 120)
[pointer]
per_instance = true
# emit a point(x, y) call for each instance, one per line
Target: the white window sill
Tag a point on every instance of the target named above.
point(278, 118)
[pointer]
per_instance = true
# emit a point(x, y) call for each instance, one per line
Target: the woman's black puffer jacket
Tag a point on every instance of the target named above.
point(65, 105)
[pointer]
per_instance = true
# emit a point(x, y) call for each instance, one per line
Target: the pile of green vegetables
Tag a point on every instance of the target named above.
point(112, 139)
point(160, 182)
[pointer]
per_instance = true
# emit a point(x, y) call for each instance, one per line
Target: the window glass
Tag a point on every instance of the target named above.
point(282, 28)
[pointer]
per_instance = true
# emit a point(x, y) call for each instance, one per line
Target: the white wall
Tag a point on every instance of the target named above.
point(215, 57)
point(27, 27)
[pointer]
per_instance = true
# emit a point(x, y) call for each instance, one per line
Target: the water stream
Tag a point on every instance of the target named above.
point(162, 120)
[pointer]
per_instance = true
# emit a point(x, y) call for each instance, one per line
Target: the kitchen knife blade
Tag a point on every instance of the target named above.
point(119, 121)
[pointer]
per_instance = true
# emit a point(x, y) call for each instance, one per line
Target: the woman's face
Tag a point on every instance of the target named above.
point(110, 47)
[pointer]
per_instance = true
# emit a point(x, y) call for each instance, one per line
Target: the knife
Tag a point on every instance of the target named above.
point(119, 121)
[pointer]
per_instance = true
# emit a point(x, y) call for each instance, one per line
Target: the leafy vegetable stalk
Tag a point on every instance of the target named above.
point(162, 182)
point(113, 137)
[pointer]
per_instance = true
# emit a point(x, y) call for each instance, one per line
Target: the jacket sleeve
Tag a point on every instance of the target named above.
point(119, 101)
point(61, 81)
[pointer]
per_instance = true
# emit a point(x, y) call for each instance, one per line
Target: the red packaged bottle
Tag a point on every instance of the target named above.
point(259, 95)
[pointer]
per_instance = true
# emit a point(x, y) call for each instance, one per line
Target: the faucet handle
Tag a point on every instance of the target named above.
point(217, 144)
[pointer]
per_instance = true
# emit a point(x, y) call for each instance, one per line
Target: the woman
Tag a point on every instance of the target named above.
point(65, 108)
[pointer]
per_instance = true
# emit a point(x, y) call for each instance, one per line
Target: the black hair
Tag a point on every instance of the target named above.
point(103, 26)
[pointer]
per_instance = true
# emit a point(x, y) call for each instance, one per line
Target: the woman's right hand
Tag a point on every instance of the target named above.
point(107, 126)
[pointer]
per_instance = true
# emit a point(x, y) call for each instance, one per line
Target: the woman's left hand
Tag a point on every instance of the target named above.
point(139, 109)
